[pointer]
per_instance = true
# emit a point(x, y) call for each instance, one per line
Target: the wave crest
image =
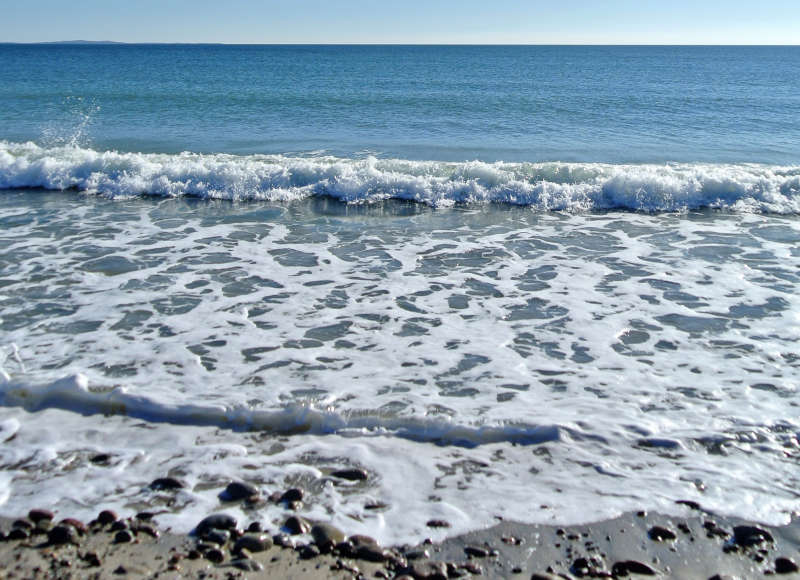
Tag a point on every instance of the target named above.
point(543, 186)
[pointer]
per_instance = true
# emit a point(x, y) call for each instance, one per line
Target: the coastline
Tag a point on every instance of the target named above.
point(697, 545)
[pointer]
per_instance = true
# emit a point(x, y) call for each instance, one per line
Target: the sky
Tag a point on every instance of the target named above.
point(407, 21)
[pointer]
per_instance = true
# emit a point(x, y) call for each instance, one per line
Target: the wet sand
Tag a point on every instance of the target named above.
point(696, 545)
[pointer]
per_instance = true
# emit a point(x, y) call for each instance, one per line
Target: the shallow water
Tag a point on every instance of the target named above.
point(478, 361)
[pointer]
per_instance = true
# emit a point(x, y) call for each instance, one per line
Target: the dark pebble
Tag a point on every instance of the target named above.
point(92, 559)
point(215, 555)
point(149, 530)
point(417, 554)
point(473, 568)
point(247, 565)
point(253, 542)
point(145, 516)
point(63, 534)
point(660, 534)
point(255, 527)
point(166, 484)
point(119, 525)
point(785, 566)
point(632, 567)
point(326, 536)
point(238, 490)
point(297, 525)
point(123, 537)
point(692, 505)
point(309, 552)
point(106, 517)
point(351, 474)
point(101, 459)
point(215, 521)
point(438, 524)
point(476, 552)
point(427, 569)
point(750, 536)
point(120, 570)
point(22, 525)
point(18, 534)
point(194, 554)
point(218, 537)
point(77, 524)
point(282, 540)
point(290, 495)
point(371, 553)
point(37, 516)
point(544, 576)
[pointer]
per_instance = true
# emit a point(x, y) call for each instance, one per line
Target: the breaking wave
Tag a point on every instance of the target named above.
point(543, 186)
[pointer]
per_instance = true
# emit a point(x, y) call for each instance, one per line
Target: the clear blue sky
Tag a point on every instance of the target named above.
point(408, 21)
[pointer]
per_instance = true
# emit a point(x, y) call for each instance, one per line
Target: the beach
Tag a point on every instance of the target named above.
point(513, 322)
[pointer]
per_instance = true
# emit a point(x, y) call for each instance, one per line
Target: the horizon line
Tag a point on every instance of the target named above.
point(204, 43)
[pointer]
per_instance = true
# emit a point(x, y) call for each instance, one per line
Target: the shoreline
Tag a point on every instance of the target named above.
point(696, 545)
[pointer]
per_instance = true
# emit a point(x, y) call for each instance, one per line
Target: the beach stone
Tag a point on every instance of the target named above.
point(283, 541)
point(215, 521)
point(417, 554)
point(632, 567)
point(101, 459)
point(310, 551)
point(747, 536)
point(247, 565)
point(297, 525)
point(661, 534)
point(22, 525)
point(123, 537)
point(438, 524)
point(149, 530)
point(238, 490)
point(106, 517)
point(785, 566)
point(43, 526)
point(326, 536)
point(18, 534)
point(166, 484)
point(215, 555)
point(544, 576)
point(253, 542)
point(372, 553)
point(255, 527)
point(427, 570)
point(291, 495)
point(218, 537)
point(37, 515)
point(145, 516)
point(119, 525)
point(473, 568)
point(476, 552)
point(63, 534)
point(77, 524)
point(354, 474)
point(92, 559)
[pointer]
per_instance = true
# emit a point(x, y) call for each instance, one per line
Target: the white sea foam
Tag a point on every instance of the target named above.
point(544, 186)
point(615, 360)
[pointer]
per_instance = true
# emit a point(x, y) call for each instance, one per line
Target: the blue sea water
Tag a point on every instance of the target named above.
point(566, 274)
point(614, 104)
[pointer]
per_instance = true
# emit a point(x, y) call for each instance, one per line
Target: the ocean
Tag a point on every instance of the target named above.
point(549, 284)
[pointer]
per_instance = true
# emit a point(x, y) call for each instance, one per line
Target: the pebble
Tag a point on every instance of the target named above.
point(63, 534)
point(149, 530)
point(92, 559)
point(371, 553)
point(326, 536)
point(238, 490)
point(417, 554)
point(145, 516)
point(215, 521)
point(254, 542)
point(119, 525)
point(309, 552)
point(101, 459)
point(247, 565)
point(785, 566)
point(427, 570)
point(255, 527)
point(106, 517)
point(37, 515)
point(661, 534)
point(476, 552)
point(297, 525)
point(18, 534)
point(750, 536)
point(218, 537)
point(123, 537)
point(22, 525)
point(166, 484)
point(77, 524)
point(632, 567)
point(215, 555)
point(291, 495)
point(354, 474)
point(283, 541)
point(438, 524)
